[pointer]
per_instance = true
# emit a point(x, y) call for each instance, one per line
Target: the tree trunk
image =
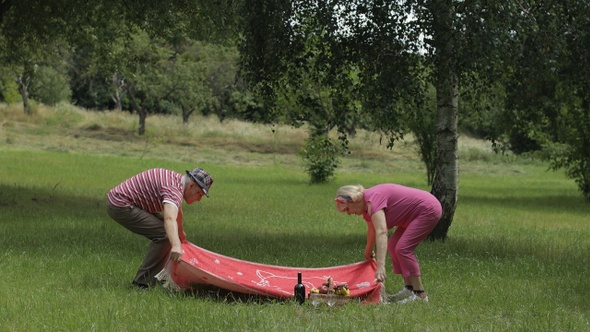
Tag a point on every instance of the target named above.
point(23, 89)
point(446, 181)
point(142, 116)
point(141, 111)
point(118, 85)
point(185, 114)
point(446, 177)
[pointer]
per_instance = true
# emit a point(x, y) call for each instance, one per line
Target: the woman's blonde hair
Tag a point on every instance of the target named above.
point(353, 191)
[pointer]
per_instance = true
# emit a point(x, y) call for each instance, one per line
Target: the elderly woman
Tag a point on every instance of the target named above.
point(413, 213)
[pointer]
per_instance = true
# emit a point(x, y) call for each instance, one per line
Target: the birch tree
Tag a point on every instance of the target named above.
point(398, 47)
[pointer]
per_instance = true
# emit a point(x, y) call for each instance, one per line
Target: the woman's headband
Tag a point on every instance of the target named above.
point(343, 199)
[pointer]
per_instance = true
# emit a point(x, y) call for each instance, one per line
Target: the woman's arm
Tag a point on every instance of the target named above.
point(380, 230)
point(369, 253)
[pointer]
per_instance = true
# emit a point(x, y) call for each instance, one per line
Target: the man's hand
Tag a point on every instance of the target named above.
point(369, 254)
point(176, 253)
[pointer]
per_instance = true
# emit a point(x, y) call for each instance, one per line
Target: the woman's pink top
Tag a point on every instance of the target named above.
point(401, 204)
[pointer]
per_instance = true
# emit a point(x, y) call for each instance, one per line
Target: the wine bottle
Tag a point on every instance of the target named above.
point(299, 289)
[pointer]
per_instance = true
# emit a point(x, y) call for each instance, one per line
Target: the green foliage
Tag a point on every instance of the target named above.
point(106, 64)
point(219, 63)
point(8, 87)
point(572, 151)
point(247, 107)
point(482, 109)
point(50, 87)
point(421, 120)
point(320, 158)
point(183, 83)
point(308, 82)
point(301, 70)
point(548, 99)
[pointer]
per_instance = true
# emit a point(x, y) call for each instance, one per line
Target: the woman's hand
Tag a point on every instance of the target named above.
point(369, 254)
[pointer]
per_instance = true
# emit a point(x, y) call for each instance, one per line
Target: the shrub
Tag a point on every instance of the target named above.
point(320, 158)
point(8, 88)
point(50, 87)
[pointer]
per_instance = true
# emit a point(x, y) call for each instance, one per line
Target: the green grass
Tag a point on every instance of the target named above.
point(517, 257)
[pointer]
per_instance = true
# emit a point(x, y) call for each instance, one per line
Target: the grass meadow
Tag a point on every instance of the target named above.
point(517, 256)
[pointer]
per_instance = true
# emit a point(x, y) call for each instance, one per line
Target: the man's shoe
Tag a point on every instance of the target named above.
point(140, 285)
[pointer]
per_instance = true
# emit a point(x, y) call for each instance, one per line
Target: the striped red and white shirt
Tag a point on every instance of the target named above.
point(149, 190)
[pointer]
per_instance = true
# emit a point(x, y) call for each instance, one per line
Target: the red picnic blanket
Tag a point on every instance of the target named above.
point(201, 266)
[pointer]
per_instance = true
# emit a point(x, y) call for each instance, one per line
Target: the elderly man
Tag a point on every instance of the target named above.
point(150, 204)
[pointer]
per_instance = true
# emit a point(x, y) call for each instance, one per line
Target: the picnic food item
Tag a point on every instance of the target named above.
point(299, 290)
point(330, 286)
point(330, 293)
point(342, 289)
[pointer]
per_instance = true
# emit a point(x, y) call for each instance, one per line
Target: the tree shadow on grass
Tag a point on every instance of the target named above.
point(575, 205)
point(44, 220)
point(38, 202)
point(34, 219)
point(51, 222)
point(216, 294)
point(510, 247)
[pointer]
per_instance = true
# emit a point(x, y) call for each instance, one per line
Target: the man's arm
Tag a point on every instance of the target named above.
point(181, 233)
point(170, 216)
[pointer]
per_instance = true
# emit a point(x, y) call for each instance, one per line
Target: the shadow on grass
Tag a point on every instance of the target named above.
point(509, 248)
point(39, 202)
point(48, 221)
point(213, 293)
point(552, 203)
point(41, 217)
point(51, 222)
point(275, 180)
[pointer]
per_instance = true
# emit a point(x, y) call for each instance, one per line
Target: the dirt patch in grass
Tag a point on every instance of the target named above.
point(108, 134)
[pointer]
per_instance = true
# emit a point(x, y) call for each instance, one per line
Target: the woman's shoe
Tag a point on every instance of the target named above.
point(412, 298)
point(399, 295)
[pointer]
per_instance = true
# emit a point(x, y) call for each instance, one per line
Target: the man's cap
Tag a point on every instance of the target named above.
point(202, 178)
